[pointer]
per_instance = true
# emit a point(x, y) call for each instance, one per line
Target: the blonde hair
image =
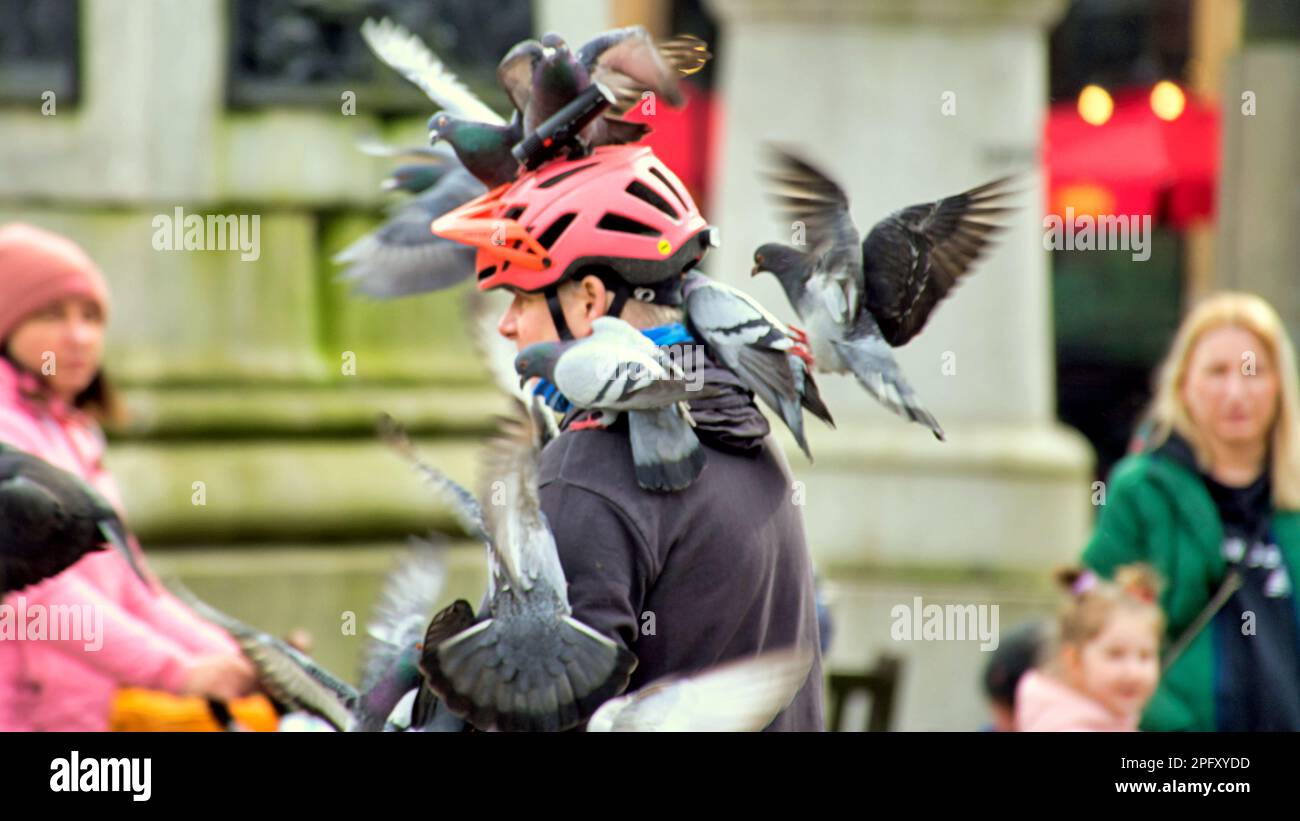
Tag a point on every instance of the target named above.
point(1168, 412)
point(1091, 602)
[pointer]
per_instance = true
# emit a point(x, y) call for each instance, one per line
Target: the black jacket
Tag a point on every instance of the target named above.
point(692, 579)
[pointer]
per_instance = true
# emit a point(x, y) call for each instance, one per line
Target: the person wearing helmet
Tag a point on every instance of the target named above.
point(685, 580)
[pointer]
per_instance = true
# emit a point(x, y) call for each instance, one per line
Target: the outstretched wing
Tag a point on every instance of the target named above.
point(407, 54)
point(914, 257)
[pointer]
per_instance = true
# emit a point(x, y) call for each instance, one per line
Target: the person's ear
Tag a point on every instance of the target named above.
point(595, 300)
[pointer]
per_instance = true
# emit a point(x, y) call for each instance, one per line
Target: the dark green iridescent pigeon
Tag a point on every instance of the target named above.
point(49, 519)
point(483, 148)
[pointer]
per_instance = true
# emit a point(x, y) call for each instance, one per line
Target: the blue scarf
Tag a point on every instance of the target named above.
point(674, 333)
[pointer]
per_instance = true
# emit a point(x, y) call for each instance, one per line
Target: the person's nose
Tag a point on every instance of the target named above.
point(81, 331)
point(506, 325)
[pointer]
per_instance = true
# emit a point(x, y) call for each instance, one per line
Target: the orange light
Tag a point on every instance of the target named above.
point(1095, 105)
point(1167, 100)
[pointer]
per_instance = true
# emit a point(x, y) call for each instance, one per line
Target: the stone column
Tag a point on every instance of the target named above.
point(1259, 200)
point(906, 102)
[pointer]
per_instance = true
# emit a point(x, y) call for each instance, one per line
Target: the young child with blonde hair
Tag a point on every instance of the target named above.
point(1104, 661)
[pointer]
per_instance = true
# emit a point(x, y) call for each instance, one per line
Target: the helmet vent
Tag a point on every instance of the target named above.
point(514, 212)
point(550, 235)
point(487, 272)
point(614, 222)
point(671, 187)
point(563, 175)
point(642, 191)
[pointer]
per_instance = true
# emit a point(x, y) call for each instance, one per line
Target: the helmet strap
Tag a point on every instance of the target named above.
point(552, 293)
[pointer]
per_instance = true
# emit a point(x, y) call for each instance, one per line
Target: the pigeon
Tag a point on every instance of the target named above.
point(483, 148)
point(290, 677)
point(49, 519)
point(526, 664)
point(740, 696)
point(407, 54)
point(758, 348)
point(390, 660)
point(541, 77)
point(431, 165)
point(859, 300)
point(615, 369)
point(402, 256)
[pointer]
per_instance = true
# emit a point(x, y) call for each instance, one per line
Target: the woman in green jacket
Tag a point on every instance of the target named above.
point(1213, 503)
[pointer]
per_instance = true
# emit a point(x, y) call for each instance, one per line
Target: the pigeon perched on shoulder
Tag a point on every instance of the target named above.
point(618, 369)
point(49, 519)
point(525, 664)
point(858, 300)
point(758, 348)
point(736, 697)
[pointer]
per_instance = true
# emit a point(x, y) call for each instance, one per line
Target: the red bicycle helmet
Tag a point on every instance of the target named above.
point(619, 208)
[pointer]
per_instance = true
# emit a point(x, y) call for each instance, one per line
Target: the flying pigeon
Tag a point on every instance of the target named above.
point(431, 165)
point(49, 519)
point(390, 659)
point(740, 696)
point(758, 348)
point(615, 369)
point(407, 54)
point(526, 664)
point(858, 300)
point(402, 256)
point(289, 676)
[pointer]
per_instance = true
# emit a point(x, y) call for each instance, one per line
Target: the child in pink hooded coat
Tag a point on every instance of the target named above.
point(1106, 662)
point(53, 306)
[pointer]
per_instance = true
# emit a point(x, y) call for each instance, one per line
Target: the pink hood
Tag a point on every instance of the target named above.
point(147, 638)
point(1044, 704)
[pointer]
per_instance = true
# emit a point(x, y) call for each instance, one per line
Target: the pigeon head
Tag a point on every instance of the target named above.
point(412, 178)
point(538, 360)
point(782, 261)
point(441, 126)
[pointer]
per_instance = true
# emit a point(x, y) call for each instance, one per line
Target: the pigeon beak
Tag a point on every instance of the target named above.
point(523, 381)
point(755, 271)
point(434, 136)
point(389, 184)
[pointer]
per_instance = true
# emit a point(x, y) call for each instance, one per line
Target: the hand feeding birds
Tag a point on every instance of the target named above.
point(858, 300)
